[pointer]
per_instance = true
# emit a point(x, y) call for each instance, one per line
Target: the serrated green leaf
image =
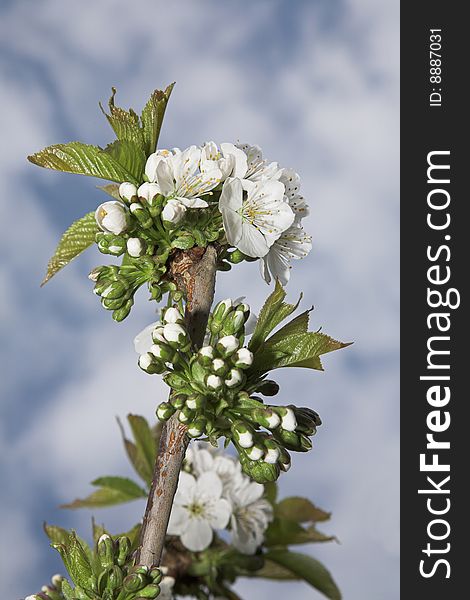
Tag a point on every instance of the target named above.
point(112, 189)
point(152, 117)
point(270, 491)
point(144, 440)
point(301, 350)
point(272, 570)
point(75, 560)
point(136, 457)
point(307, 568)
point(296, 326)
point(56, 535)
point(82, 159)
point(285, 532)
point(113, 490)
point(78, 237)
point(125, 123)
point(300, 510)
point(129, 155)
point(274, 311)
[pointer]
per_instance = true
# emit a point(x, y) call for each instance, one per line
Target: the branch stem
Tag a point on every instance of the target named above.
point(194, 272)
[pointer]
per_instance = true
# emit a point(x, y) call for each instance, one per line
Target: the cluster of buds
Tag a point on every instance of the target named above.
point(116, 285)
point(212, 387)
point(53, 591)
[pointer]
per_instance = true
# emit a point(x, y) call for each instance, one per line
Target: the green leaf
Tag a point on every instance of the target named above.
point(112, 490)
point(67, 590)
point(284, 532)
point(273, 312)
point(112, 189)
point(78, 237)
point(271, 570)
point(297, 326)
point(129, 155)
point(145, 441)
point(57, 535)
point(301, 350)
point(82, 159)
point(152, 118)
point(98, 530)
point(125, 123)
point(136, 457)
point(300, 510)
point(76, 560)
point(307, 568)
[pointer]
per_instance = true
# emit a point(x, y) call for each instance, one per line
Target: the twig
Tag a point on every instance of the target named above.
point(194, 272)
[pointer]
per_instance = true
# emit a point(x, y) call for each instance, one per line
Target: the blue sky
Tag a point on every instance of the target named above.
point(315, 83)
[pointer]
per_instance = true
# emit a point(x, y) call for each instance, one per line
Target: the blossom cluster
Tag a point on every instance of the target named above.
point(200, 195)
point(213, 494)
point(212, 390)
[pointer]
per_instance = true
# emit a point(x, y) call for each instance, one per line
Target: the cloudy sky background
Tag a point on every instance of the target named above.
point(315, 83)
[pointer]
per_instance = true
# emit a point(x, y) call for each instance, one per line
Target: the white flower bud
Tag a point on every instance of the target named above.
point(104, 537)
point(173, 332)
point(112, 217)
point(57, 579)
point(152, 163)
point(33, 597)
point(135, 247)
point(157, 334)
point(254, 453)
point(214, 382)
point(207, 351)
point(194, 431)
point(127, 191)
point(191, 403)
point(243, 358)
point(173, 211)
point(218, 364)
point(234, 379)
point(172, 315)
point(145, 360)
point(289, 422)
point(147, 191)
point(245, 439)
point(157, 351)
point(273, 420)
point(229, 344)
point(272, 455)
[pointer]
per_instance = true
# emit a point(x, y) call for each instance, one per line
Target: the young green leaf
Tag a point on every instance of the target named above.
point(273, 312)
point(78, 237)
point(300, 510)
point(270, 491)
point(272, 570)
point(125, 123)
point(82, 159)
point(129, 155)
point(284, 532)
point(152, 117)
point(112, 189)
point(307, 568)
point(144, 439)
point(76, 560)
point(112, 490)
point(301, 350)
point(137, 458)
point(98, 530)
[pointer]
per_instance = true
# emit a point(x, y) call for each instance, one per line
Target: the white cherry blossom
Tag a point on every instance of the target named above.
point(254, 214)
point(113, 217)
point(293, 243)
point(198, 509)
point(250, 517)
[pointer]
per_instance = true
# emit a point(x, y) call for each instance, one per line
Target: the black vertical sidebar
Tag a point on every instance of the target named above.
point(435, 259)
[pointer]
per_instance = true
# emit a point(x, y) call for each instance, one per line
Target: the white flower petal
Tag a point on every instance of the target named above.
point(241, 161)
point(220, 513)
point(192, 202)
point(198, 535)
point(252, 242)
point(143, 340)
point(164, 177)
point(186, 489)
point(209, 486)
point(179, 519)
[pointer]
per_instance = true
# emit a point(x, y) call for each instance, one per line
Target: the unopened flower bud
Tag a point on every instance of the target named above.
point(266, 417)
point(112, 217)
point(233, 323)
point(172, 315)
point(288, 420)
point(127, 191)
point(259, 470)
point(227, 345)
point(116, 289)
point(255, 452)
point(175, 333)
point(178, 400)
point(214, 382)
point(272, 452)
point(123, 550)
point(135, 247)
point(162, 351)
point(195, 402)
point(243, 434)
point(134, 582)
point(243, 358)
point(141, 214)
point(219, 366)
point(221, 310)
point(186, 415)
point(157, 334)
point(106, 551)
point(121, 313)
point(155, 574)
point(196, 428)
point(173, 212)
point(235, 377)
point(150, 591)
point(268, 387)
point(165, 410)
point(148, 191)
point(284, 459)
point(207, 351)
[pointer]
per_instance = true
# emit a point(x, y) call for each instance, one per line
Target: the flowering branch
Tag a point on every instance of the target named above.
point(195, 276)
